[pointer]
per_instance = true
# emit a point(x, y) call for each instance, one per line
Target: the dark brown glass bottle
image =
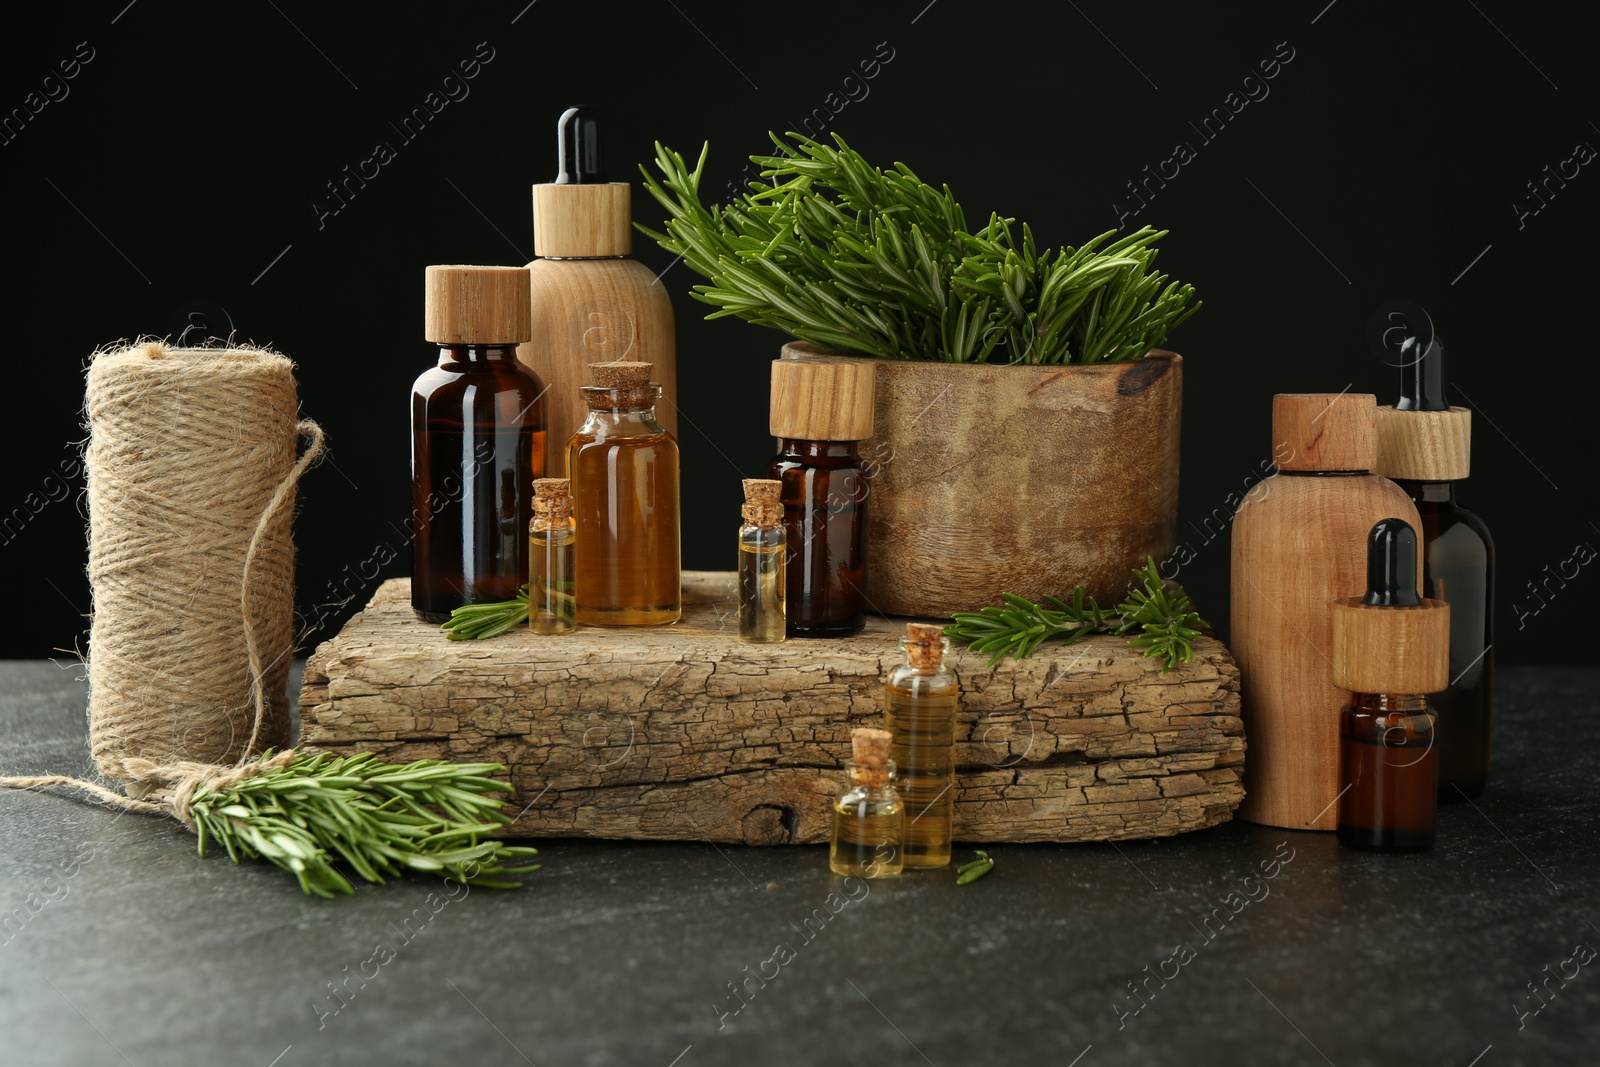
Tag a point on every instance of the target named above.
point(821, 410)
point(1458, 567)
point(477, 443)
point(1390, 767)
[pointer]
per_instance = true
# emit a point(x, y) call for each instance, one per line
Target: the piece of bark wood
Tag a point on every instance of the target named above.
point(685, 733)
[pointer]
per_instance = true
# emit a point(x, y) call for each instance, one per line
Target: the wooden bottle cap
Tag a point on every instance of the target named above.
point(620, 374)
point(467, 305)
point(1325, 431)
point(869, 750)
point(1403, 650)
point(1429, 446)
point(822, 400)
point(763, 505)
point(582, 221)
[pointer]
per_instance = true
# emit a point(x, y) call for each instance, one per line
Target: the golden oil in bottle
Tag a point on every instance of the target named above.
point(624, 472)
point(921, 698)
point(552, 605)
point(869, 817)
point(763, 548)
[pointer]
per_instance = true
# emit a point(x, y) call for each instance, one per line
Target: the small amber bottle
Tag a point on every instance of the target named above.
point(477, 442)
point(552, 605)
point(1425, 445)
point(868, 818)
point(624, 472)
point(761, 563)
point(1390, 648)
point(821, 410)
point(920, 711)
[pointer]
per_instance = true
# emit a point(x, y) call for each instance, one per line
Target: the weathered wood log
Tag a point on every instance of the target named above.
point(685, 733)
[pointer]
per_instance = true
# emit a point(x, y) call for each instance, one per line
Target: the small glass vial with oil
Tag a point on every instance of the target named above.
point(869, 818)
point(1390, 648)
point(762, 548)
point(552, 607)
point(920, 710)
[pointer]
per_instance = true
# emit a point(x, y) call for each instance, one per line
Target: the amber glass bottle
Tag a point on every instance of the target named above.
point(1425, 445)
point(920, 701)
point(1390, 648)
point(624, 472)
point(821, 409)
point(477, 443)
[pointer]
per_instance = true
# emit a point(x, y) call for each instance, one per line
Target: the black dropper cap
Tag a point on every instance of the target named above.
point(1392, 565)
point(1422, 374)
point(578, 144)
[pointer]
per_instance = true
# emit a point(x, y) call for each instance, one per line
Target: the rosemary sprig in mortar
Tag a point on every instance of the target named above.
point(479, 622)
point(383, 819)
point(1162, 620)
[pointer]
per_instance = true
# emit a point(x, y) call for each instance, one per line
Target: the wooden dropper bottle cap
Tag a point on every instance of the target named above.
point(822, 399)
point(468, 305)
point(869, 756)
point(1391, 640)
point(580, 215)
point(1422, 438)
point(1325, 431)
point(762, 502)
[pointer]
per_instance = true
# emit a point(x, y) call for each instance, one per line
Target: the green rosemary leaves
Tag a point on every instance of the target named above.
point(1163, 622)
point(479, 622)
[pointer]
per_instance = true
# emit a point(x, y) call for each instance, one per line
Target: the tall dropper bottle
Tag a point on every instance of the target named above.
point(1425, 446)
point(591, 303)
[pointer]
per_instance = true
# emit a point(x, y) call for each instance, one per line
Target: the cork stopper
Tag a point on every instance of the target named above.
point(1325, 431)
point(821, 398)
point(620, 374)
point(467, 305)
point(552, 498)
point(869, 754)
point(924, 645)
point(620, 385)
point(1427, 446)
point(763, 506)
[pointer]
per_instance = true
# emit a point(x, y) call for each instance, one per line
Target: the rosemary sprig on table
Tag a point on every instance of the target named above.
point(382, 819)
point(968, 873)
point(479, 622)
point(1163, 621)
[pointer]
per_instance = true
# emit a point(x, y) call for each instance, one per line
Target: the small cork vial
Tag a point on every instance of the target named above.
point(552, 604)
point(762, 557)
point(920, 701)
point(869, 817)
point(1390, 648)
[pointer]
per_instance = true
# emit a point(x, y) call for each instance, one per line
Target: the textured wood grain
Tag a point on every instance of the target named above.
point(1403, 650)
point(821, 400)
point(1427, 446)
point(475, 305)
point(1031, 479)
point(1299, 543)
point(685, 733)
point(1325, 431)
point(591, 311)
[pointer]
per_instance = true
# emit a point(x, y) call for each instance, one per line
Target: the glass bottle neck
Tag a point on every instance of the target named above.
point(609, 422)
point(1432, 492)
point(506, 353)
point(1407, 702)
point(836, 452)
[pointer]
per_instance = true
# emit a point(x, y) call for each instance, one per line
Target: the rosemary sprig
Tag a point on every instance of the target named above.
point(382, 819)
point(479, 622)
point(1163, 621)
point(832, 250)
point(968, 873)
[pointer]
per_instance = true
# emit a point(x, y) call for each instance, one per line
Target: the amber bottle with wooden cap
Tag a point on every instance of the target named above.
point(624, 472)
point(762, 548)
point(590, 302)
point(1391, 648)
point(552, 601)
point(1425, 445)
point(869, 817)
point(477, 442)
point(821, 411)
point(920, 701)
point(1299, 545)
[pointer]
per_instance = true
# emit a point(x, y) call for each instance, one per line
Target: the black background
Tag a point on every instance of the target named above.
point(187, 154)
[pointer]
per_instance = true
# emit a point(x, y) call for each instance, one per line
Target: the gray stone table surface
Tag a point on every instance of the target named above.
point(1245, 944)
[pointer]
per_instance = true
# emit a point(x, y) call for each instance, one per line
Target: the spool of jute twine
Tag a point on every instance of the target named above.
point(192, 468)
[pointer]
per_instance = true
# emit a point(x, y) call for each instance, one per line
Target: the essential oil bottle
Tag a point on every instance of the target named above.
point(868, 818)
point(1425, 445)
point(920, 711)
point(821, 411)
point(477, 442)
point(552, 603)
point(624, 472)
point(762, 547)
point(1390, 648)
